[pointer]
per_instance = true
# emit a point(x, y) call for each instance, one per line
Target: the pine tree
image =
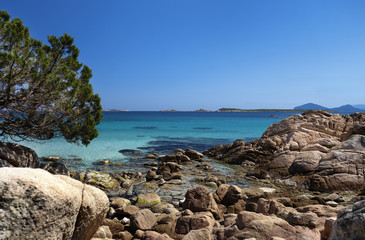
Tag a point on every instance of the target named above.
point(44, 89)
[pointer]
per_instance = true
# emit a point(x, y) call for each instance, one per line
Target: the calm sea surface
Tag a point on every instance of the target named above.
point(160, 132)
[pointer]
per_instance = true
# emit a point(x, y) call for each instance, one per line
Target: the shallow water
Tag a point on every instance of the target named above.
point(160, 132)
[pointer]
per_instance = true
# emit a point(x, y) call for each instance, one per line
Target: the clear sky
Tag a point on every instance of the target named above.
point(191, 54)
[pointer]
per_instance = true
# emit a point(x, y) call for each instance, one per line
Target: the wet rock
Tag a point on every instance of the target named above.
point(104, 162)
point(151, 175)
point(130, 152)
point(56, 168)
point(51, 159)
point(193, 155)
point(152, 156)
point(177, 175)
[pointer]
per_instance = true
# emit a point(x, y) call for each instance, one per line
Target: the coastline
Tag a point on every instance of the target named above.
point(187, 186)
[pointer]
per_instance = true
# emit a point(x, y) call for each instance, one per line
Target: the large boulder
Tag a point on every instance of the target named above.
point(199, 199)
point(350, 223)
point(143, 220)
point(196, 221)
point(15, 155)
point(147, 200)
point(35, 204)
point(260, 226)
point(326, 149)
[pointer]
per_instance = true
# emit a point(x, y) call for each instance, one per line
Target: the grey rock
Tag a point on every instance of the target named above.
point(350, 223)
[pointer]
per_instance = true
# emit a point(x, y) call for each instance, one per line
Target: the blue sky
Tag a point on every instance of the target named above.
point(191, 54)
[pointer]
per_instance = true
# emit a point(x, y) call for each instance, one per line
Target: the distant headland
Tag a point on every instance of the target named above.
point(302, 108)
point(343, 108)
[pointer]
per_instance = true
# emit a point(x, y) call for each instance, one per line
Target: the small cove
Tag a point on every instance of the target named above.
point(160, 132)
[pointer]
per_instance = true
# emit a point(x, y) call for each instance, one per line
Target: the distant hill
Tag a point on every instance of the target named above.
point(345, 108)
point(359, 106)
point(311, 106)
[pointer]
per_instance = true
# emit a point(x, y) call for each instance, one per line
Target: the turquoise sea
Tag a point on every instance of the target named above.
point(160, 132)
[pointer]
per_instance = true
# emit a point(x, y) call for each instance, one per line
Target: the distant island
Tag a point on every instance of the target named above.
point(302, 108)
point(171, 110)
point(256, 110)
point(203, 110)
point(115, 110)
point(345, 108)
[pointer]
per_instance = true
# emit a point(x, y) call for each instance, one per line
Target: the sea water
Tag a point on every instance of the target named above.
point(160, 132)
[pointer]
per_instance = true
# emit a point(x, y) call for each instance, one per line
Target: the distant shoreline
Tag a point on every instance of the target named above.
point(219, 110)
point(225, 110)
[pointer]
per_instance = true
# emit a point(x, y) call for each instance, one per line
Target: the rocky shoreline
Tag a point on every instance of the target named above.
point(304, 180)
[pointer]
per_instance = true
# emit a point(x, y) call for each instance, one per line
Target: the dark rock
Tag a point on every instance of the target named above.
point(56, 168)
point(115, 227)
point(130, 152)
point(350, 223)
point(199, 199)
point(17, 156)
point(194, 155)
point(193, 222)
point(51, 159)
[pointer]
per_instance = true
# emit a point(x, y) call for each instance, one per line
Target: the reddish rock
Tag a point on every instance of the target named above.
point(143, 220)
point(193, 222)
point(260, 226)
point(199, 199)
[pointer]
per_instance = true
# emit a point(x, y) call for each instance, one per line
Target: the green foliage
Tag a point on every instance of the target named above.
point(44, 89)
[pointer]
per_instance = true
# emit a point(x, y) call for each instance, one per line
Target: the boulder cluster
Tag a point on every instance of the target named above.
point(228, 213)
point(320, 150)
